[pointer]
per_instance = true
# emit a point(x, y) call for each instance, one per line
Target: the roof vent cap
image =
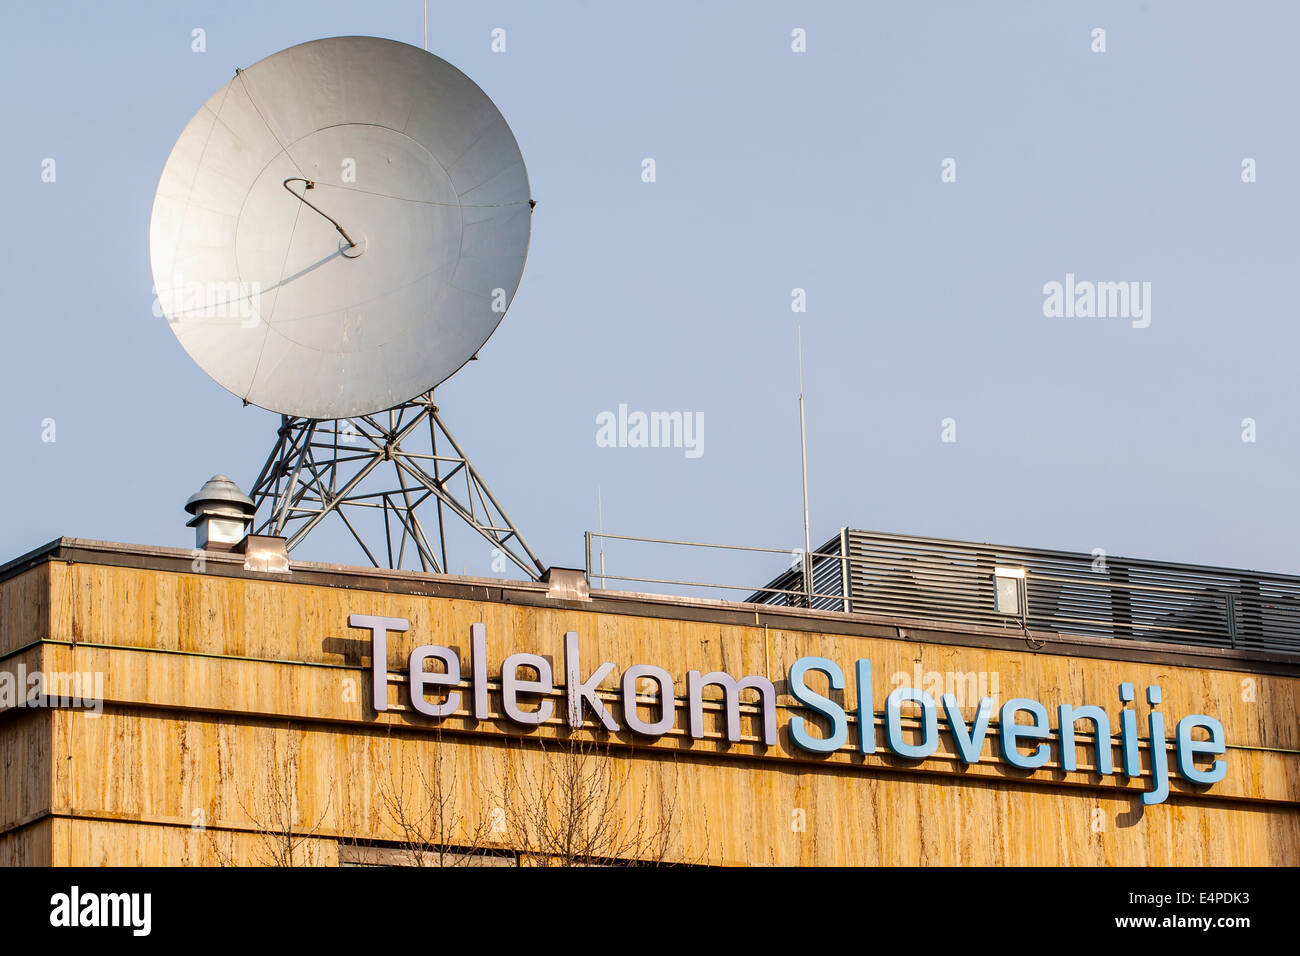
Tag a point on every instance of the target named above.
point(223, 515)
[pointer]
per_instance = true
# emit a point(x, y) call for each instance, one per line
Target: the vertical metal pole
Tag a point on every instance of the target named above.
point(803, 452)
point(600, 520)
point(846, 580)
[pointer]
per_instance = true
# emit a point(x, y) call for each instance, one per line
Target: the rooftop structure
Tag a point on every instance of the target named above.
point(1062, 592)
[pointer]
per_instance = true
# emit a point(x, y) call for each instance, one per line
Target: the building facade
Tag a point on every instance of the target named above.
point(201, 710)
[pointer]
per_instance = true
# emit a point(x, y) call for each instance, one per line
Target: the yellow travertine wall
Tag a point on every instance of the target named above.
point(238, 727)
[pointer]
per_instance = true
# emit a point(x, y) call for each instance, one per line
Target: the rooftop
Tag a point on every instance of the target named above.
point(939, 598)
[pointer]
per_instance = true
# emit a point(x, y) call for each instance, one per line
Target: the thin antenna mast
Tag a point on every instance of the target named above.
point(600, 518)
point(803, 452)
point(426, 24)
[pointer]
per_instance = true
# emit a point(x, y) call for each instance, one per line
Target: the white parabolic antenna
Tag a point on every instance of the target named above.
point(340, 227)
point(338, 230)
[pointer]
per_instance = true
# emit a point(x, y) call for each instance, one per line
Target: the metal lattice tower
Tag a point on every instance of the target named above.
point(385, 465)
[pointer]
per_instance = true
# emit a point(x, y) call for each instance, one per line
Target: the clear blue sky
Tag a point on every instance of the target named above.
point(775, 170)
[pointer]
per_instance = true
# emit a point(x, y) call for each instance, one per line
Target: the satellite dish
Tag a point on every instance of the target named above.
point(340, 227)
